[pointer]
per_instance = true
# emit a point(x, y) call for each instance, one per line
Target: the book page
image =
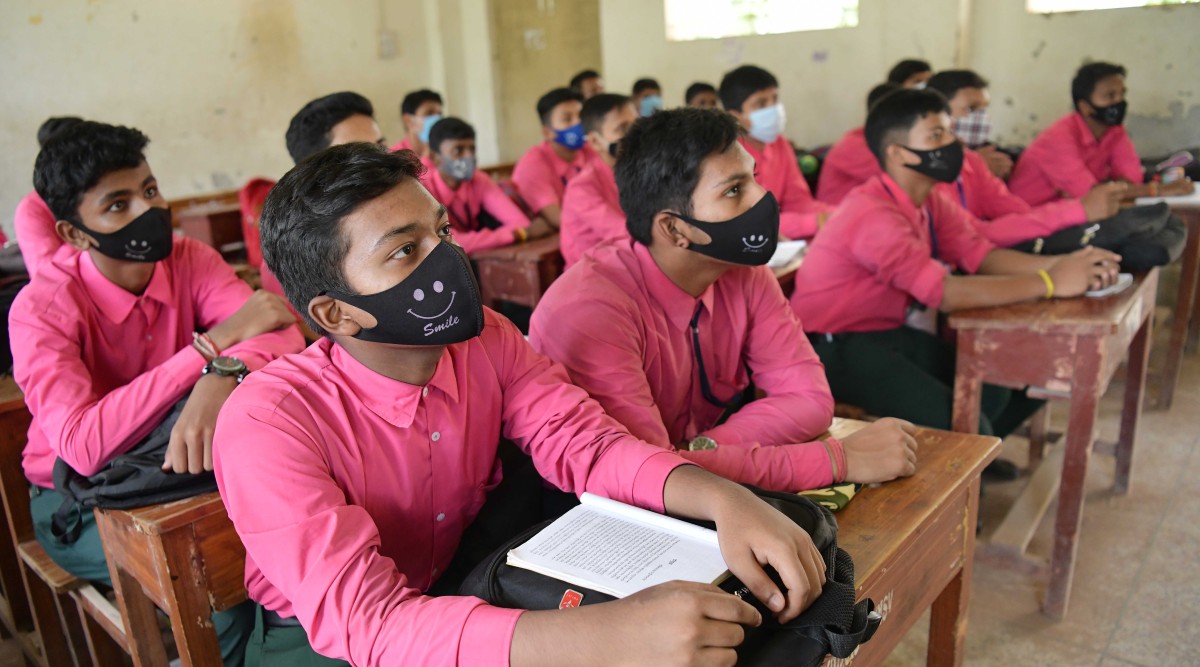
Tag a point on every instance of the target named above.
point(614, 554)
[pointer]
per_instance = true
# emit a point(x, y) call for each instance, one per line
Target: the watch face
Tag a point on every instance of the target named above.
point(228, 365)
point(702, 443)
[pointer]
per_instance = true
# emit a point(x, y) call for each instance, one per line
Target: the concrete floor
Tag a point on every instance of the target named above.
point(1137, 580)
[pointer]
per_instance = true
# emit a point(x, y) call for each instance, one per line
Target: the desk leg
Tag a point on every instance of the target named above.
point(968, 386)
point(1186, 319)
point(948, 616)
point(141, 623)
point(188, 606)
point(1085, 402)
point(1131, 411)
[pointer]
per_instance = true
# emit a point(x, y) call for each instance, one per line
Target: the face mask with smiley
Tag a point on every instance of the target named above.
point(749, 238)
point(437, 304)
point(147, 238)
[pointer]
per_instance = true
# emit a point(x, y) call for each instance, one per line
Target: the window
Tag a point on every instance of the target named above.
point(713, 19)
point(1055, 6)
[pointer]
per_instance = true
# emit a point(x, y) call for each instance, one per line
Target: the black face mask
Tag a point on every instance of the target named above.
point(1113, 114)
point(941, 164)
point(612, 149)
point(437, 304)
point(749, 238)
point(147, 238)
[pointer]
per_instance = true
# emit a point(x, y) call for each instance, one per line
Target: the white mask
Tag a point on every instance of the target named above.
point(768, 123)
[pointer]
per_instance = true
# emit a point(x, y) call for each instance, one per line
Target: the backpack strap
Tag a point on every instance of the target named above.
point(67, 523)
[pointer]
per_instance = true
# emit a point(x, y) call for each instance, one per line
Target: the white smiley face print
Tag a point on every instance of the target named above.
point(137, 248)
point(419, 296)
point(755, 241)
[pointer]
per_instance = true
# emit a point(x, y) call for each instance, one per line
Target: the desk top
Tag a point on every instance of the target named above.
point(1080, 315)
point(533, 250)
point(160, 519)
point(879, 520)
point(1180, 201)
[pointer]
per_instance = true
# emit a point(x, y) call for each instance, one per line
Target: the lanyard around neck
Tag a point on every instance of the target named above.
point(705, 388)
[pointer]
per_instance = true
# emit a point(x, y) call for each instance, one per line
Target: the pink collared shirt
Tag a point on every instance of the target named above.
point(351, 491)
point(541, 176)
point(875, 256)
point(33, 225)
point(404, 144)
point(847, 165)
point(100, 367)
point(623, 330)
point(466, 204)
point(1066, 160)
point(776, 170)
point(591, 212)
point(1000, 216)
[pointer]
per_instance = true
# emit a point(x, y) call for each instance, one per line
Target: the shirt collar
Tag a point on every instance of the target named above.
point(394, 401)
point(113, 300)
point(1084, 133)
point(676, 303)
point(899, 195)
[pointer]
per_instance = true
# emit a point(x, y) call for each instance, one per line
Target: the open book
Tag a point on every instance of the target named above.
point(618, 549)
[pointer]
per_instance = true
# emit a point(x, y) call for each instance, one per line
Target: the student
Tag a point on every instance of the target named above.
point(33, 223)
point(102, 337)
point(1087, 146)
point(420, 110)
point(910, 73)
point(587, 83)
point(687, 280)
point(849, 163)
point(647, 96)
point(481, 214)
point(751, 95)
point(375, 448)
point(591, 211)
point(542, 173)
point(882, 255)
point(702, 96)
point(968, 95)
point(1000, 216)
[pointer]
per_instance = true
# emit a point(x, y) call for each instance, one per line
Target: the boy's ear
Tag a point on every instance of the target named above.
point(73, 236)
point(547, 133)
point(329, 315)
point(670, 230)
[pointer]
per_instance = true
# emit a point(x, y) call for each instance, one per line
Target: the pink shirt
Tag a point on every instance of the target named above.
point(591, 212)
point(357, 488)
point(100, 367)
point(875, 256)
point(778, 172)
point(1066, 160)
point(33, 225)
point(468, 201)
point(622, 329)
point(541, 176)
point(847, 165)
point(404, 144)
point(1000, 216)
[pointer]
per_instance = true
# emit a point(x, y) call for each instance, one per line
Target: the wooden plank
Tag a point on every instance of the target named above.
point(1013, 534)
point(1077, 316)
point(1185, 308)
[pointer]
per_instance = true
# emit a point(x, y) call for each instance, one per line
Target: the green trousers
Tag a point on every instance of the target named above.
point(909, 374)
point(283, 647)
point(85, 559)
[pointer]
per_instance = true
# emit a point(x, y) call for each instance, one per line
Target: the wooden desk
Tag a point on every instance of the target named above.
point(1071, 347)
point(519, 273)
point(214, 219)
point(786, 275)
point(183, 557)
point(913, 543)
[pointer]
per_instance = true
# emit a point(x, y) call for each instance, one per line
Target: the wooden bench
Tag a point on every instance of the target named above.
point(1070, 348)
point(913, 544)
point(214, 219)
point(518, 273)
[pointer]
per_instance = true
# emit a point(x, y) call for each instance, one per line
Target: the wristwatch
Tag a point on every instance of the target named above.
point(701, 443)
point(227, 367)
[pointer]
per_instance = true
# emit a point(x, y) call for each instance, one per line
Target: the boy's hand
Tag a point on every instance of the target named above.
point(998, 162)
point(1083, 270)
point(1103, 200)
point(190, 446)
point(881, 452)
point(262, 312)
point(1183, 186)
point(539, 228)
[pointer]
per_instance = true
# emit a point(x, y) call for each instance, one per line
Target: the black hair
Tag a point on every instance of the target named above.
point(1084, 83)
point(302, 240)
point(949, 81)
point(645, 84)
point(54, 125)
point(547, 102)
point(660, 162)
point(906, 68)
point(577, 80)
point(416, 98)
point(447, 129)
point(741, 83)
point(890, 120)
point(310, 127)
point(879, 92)
point(697, 88)
point(76, 157)
point(597, 107)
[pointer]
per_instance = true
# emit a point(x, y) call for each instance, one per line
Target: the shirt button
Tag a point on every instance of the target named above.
point(435, 571)
point(425, 391)
point(441, 516)
point(149, 337)
point(436, 436)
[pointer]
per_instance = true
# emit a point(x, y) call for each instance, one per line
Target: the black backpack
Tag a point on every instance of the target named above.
point(834, 624)
point(133, 479)
point(1144, 236)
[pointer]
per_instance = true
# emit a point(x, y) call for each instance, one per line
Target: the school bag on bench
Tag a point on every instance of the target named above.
point(129, 480)
point(834, 624)
point(1144, 236)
